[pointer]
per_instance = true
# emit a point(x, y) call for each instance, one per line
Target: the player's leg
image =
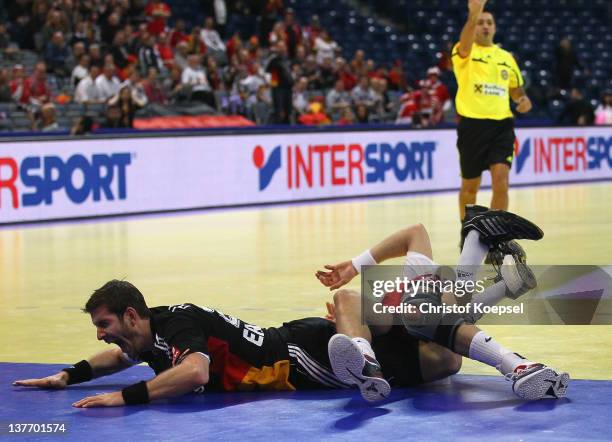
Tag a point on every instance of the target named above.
point(468, 193)
point(530, 380)
point(350, 351)
point(437, 362)
point(500, 184)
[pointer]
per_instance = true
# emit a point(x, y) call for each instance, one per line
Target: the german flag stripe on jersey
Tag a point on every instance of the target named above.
point(237, 375)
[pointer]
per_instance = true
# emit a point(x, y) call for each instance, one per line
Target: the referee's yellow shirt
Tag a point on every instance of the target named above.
point(485, 78)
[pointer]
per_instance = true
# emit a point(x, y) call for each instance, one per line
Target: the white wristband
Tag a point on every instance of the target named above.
point(365, 259)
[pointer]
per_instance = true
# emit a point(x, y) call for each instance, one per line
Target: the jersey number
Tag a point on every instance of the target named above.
point(253, 334)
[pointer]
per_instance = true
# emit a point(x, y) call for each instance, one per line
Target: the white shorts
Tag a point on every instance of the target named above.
point(417, 265)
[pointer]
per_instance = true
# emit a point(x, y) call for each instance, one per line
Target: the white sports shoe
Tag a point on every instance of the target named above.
point(517, 276)
point(537, 381)
point(352, 367)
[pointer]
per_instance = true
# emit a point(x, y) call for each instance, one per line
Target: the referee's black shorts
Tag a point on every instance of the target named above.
point(397, 352)
point(482, 143)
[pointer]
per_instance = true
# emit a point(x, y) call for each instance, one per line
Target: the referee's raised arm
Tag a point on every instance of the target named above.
point(468, 33)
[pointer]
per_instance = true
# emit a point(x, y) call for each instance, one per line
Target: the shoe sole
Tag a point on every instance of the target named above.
point(544, 383)
point(347, 362)
point(518, 227)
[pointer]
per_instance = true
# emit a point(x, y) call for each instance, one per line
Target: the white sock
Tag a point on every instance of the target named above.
point(485, 349)
point(472, 255)
point(365, 346)
point(492, 295)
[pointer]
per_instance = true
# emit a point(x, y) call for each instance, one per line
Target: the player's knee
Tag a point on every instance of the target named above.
point(345, 297)
point(469, 190)
point(452, 363)
point(500, 184)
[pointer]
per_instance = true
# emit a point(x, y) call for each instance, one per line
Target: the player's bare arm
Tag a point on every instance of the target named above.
point(468, 33)
point(413, 238)
point(190, 374)
point(102, 364)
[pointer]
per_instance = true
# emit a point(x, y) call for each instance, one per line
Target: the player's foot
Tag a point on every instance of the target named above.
point(471, 210)
point(537, 381)
point(517, 276)
point(497, 226)
point(353, 367)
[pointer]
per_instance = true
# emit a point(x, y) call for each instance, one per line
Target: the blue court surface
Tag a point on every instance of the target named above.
point(462, 408)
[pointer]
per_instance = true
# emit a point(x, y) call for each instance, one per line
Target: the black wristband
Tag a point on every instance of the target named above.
point(136, 394)
point(79, 372)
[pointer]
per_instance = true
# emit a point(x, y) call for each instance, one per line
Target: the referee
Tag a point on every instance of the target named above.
point(487, 76)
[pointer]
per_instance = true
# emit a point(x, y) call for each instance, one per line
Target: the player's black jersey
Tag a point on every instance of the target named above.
point(242, 356)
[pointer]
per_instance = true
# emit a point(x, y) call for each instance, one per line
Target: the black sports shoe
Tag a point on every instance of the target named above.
point(471, 210)
point(497, 253)
point(497, 226)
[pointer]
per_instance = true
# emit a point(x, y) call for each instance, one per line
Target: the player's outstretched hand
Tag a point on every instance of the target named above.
point(55, 382)
point(114, 399)
point(476, 6)
point(337, 276)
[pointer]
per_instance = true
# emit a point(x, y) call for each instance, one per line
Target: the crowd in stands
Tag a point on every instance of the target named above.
point(133, 57)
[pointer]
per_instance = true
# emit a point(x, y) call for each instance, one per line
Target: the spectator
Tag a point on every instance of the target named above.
point(181, 54)
point(148, 57)
point(78, 49)
point(300, 97)
point(358, 62)
point(80, 71)
point(56, 55)
point(343, 72)
point(107, 83)
point(113, 117)
point(20, 86)
point(347, 118)
point(178, 33)
point(194, 78)
point(337, 99)
point(120, 52)
point(7, 47)
point(40, 92)
point(325, 47)
point(83, 126)
point(269, 15)
point(164, 49)
point(578, 111)
point(157, 13)
point(603, 113)
point(95, 55)
point(254, 80)
point(127, 104)
point(173, 86)
point(282, 84)
point(293, 33)
point(195, 45)
point(5, 88)
point(48, 120)
point(259, 106)
point(397, 78)
point(362, 114)
point(153, 88)
point(56, 21)
point(312, 31)
point(312, 72)
point(362, 93)
point(566, 62)
point(212, 74)
point(109, 28)
point(212, 40)
point(87, 90)
point(436, 88)
point(409, 106)
point(277, 34)
point(327, 74)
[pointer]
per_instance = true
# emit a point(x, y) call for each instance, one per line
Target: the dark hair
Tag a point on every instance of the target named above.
point(117, 296)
